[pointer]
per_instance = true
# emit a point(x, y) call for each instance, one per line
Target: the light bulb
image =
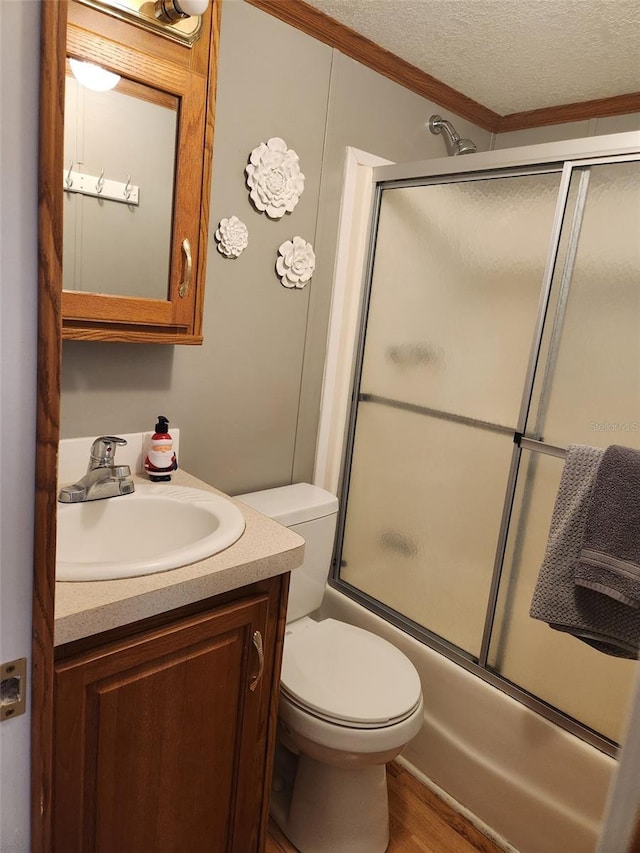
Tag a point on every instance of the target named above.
point(193, 7)
point(171, 11)
point(92, 76)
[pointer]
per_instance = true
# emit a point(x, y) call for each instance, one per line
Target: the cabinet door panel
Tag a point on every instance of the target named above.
point(125, 293)
point(151, 734)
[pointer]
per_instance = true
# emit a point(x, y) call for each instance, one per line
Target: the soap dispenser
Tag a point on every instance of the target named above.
point(161, 460)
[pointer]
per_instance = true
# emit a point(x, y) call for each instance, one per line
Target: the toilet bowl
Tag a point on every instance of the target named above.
point(347, 691)
point(350, 701)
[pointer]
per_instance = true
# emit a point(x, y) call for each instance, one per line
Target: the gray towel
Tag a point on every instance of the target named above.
point(598, 620)
point(610, 557)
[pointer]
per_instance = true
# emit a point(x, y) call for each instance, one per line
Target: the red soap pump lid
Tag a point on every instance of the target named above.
point(161, 428)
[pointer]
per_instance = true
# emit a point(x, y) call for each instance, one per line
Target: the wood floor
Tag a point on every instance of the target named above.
point(419, 822)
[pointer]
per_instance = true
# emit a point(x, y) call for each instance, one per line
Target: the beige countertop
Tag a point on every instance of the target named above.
point(264, 550)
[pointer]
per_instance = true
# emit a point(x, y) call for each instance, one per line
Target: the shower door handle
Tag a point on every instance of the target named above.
point(257, 678)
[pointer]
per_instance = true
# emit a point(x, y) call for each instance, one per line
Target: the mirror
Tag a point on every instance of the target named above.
point(119, 153)
point(135, 179)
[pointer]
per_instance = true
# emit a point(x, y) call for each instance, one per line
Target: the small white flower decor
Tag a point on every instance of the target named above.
point(296, 262)
point(274, 178)
point(232, 236)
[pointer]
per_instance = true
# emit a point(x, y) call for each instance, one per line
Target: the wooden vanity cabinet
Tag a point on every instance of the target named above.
point(161, 745)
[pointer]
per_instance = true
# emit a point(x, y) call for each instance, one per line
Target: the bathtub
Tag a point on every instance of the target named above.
point(529, 784)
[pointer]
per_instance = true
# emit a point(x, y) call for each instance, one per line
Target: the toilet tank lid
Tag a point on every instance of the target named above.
point(292, 504)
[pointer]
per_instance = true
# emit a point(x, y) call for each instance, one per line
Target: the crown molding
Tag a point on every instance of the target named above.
point(579, 111)
point(311, 21)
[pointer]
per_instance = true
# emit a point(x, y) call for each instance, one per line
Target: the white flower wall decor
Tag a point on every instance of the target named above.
point(232, 237)
point(296, 262)
point(274, 178)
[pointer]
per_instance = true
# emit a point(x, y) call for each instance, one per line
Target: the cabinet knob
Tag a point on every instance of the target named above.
point(257, 678)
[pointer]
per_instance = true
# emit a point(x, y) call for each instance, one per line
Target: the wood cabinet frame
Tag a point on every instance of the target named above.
point(189, 74)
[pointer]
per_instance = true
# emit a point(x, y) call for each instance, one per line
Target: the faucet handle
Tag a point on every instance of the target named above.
point(103, 451)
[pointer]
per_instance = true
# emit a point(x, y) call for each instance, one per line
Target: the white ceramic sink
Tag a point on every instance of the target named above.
point(154, 529)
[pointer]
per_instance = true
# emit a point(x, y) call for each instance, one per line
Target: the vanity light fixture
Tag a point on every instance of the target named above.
point(93, 76)
point(177, 20)
point(171, 11)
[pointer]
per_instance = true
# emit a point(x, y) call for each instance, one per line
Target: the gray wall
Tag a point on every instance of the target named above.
point(247, 401)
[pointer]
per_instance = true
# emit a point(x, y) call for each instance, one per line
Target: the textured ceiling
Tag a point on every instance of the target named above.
point(509, 55)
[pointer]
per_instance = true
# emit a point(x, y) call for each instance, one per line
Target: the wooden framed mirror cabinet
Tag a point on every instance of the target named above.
point(135, 175)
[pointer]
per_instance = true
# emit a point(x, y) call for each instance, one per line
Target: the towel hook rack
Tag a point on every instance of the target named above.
point(100, 187)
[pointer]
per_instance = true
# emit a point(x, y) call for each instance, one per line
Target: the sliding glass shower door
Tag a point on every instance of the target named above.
point(587, 391)
point(484, 291)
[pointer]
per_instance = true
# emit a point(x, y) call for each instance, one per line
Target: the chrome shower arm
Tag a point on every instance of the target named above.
point(455, 145)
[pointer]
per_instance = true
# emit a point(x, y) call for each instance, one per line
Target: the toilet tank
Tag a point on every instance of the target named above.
point(311, 512)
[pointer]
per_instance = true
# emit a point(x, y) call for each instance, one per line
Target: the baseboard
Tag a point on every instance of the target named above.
point(502, 843)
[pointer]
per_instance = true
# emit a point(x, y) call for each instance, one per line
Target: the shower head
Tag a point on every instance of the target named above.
point(465, 146)
point(455, 145)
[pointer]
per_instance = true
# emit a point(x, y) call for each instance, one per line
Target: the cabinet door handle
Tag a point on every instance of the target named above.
point(188, 266)
point(256, 679)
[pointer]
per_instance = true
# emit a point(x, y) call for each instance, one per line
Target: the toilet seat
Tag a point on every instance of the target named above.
point(347, 676)
point(349, 724)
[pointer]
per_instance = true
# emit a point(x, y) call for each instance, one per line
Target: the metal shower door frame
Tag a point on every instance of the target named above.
point(566, 158)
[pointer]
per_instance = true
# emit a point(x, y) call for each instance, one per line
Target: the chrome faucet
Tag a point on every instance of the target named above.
point(103, 479)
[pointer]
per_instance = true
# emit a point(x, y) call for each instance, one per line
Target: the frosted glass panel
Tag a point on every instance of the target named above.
point(587, 391)
point(457, 276)
point(563, 671)
point(593, 394)
point(424, 509)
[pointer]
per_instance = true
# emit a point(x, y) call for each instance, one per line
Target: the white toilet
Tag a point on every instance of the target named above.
point(349, 700)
